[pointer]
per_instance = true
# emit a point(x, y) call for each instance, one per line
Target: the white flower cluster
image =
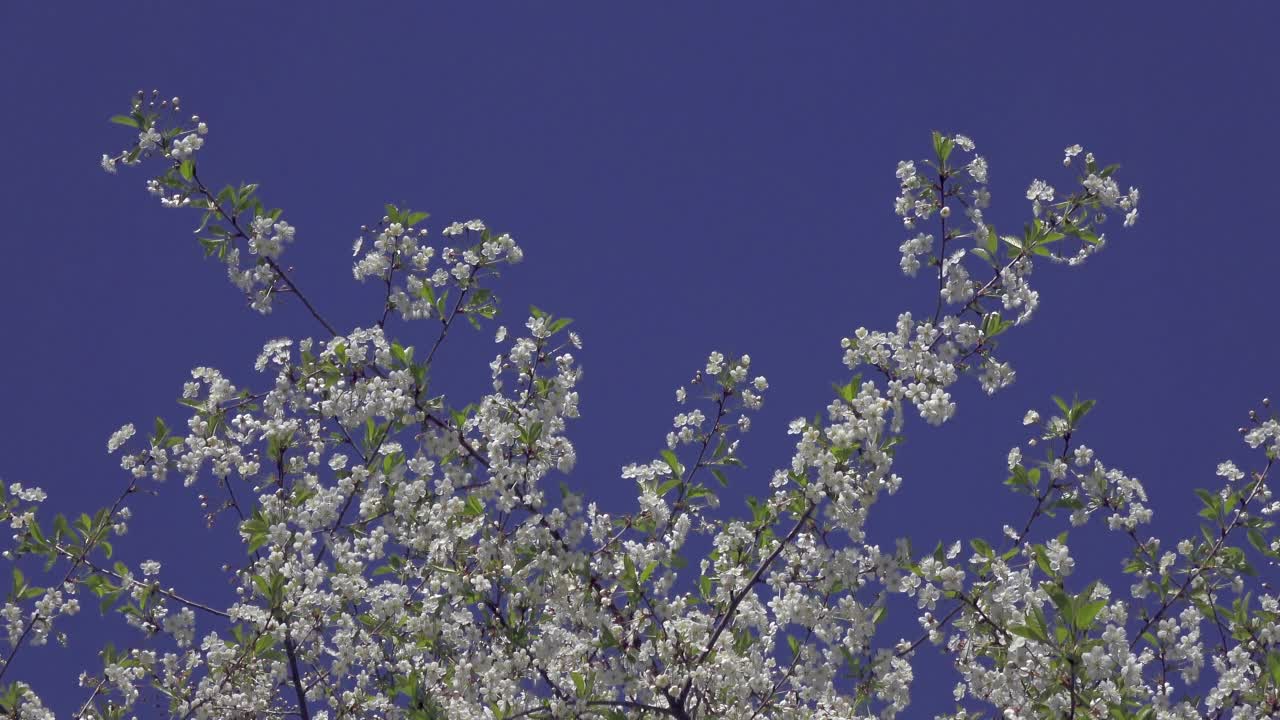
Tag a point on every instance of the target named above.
point(912, 249)
point(120, 437)
point(268, 237)
point(1102, 186)
point(1040, 191)
point(36, 626)
point(179, 144)
point(1114, 668)
point(257, 281)
point(958, 289)
point(919, 197)
point(185, 146)
point(1265, 433)
point(163, 134)
point(397, 248)
point(1015, 292)
point(920, 360)
point(402, 545)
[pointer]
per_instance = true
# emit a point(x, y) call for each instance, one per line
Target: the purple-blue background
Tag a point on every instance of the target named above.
point(682, 179)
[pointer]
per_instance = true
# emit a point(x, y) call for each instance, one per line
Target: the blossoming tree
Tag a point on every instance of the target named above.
point(404, 556)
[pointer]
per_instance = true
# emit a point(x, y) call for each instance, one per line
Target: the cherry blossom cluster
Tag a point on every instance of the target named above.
point(233, 217)
point(922, 359)
point(407, 555)
point(398, 246)
point(1028, 645)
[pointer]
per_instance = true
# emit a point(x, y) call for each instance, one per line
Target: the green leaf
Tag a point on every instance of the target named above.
point(126, 121)
point(531, 436)
point(1258, 541)
point(1058, 596)
point(648, 570)
point(1028, 632)
point(1085, 614)
point(993, 325)
point(699, 490)
point(849, 391)
point(1042, 560)
point(36, 533)
point(187, 169)
point(673, 462)
point(1079, 410)
point(942, 146)
point(629, 572)
point(667, 486)
point(607, 638)
point(60, 528)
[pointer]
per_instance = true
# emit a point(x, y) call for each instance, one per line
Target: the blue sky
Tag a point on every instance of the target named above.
point(683, 178)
